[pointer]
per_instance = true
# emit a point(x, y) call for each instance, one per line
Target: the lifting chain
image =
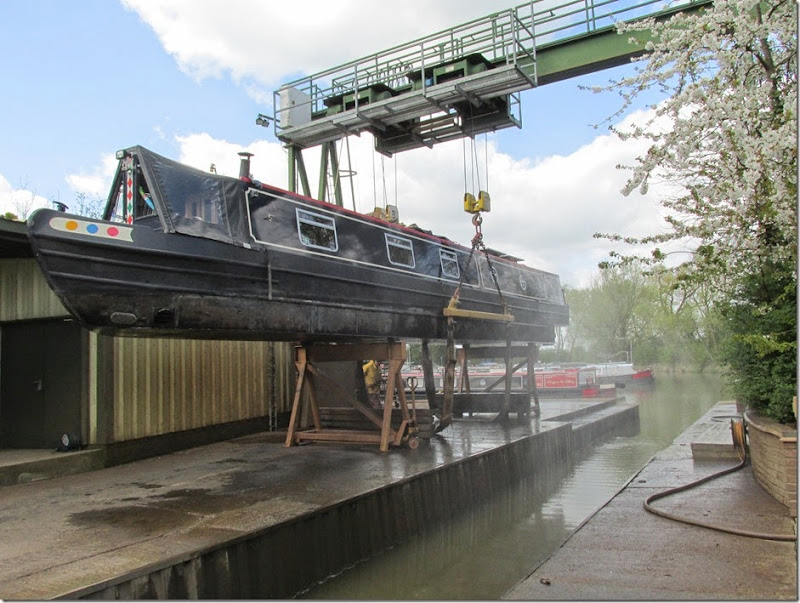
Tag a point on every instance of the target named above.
point(477, 243)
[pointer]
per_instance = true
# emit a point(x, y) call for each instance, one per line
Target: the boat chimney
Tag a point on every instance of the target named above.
point(244, 166)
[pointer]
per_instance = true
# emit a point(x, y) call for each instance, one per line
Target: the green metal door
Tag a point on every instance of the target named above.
point(40, 383)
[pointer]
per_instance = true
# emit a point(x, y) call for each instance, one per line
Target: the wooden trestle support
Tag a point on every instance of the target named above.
point(307, 360)
point(528, 353)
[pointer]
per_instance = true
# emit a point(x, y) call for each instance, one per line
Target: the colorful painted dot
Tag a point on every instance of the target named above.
point(92, 228)
point(112, 231)
point(71, 225)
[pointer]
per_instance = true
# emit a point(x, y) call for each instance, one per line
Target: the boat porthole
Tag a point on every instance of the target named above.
point(523, 284)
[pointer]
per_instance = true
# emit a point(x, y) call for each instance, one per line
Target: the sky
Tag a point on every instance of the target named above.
point(186, 79)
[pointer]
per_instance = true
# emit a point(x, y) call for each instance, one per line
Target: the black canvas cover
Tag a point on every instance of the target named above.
point(194, 202)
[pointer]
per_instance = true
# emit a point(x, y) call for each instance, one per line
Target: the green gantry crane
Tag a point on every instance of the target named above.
point(457, 83)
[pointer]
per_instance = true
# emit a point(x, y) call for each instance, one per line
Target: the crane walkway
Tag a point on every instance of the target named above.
point(464, 80)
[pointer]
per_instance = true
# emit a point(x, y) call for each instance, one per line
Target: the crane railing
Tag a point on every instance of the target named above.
point(508, 37)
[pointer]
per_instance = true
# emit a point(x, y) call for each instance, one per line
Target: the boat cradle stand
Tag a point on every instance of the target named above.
point(308, 357)
point(528, 353)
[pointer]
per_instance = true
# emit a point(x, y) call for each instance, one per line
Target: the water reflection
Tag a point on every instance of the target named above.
point(485, 551)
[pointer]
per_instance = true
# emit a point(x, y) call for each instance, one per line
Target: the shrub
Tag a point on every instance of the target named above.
point(760, 351)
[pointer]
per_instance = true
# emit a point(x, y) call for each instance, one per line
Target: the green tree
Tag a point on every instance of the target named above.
point(685, 319)
point(607, 318)
point(646, 314)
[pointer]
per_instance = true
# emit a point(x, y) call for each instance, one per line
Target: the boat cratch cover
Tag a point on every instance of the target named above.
point(187, 200)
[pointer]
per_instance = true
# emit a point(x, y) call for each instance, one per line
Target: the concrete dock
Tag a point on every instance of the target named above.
point(251, 518)
point(625, 553)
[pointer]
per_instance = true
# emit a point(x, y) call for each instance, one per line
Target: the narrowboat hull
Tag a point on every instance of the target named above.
point(143, 277)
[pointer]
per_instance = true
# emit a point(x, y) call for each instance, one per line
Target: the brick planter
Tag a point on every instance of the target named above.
point(773, 452)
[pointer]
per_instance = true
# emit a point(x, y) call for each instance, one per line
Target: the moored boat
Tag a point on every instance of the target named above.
point(623, 374)
point(570, 382)
point(193, 254)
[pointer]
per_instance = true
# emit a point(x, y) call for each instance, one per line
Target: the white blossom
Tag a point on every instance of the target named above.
point(730, 72)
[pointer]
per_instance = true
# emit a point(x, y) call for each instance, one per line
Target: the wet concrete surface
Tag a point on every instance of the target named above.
point(625, 553)
point(60, 535)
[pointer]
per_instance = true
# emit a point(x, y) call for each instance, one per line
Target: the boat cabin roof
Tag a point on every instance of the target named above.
point(204, 204)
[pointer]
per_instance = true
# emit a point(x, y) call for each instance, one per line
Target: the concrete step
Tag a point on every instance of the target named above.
point(712, 438)
point(23, 466)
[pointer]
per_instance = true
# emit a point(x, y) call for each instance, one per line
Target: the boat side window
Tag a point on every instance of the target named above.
point(317, 231)
point(449, 262)
point(400, 251)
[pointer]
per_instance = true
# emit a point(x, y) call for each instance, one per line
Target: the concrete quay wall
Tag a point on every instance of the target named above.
point(285, 559)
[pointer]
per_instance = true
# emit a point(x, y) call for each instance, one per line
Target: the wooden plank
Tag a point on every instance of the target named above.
point(460, 313)
point(347, 396)
point(394, 383)
point(348, 418)
point(356, 351)
point(298, 392)
point(504, 377)
point(339, 435)
point(355, 423)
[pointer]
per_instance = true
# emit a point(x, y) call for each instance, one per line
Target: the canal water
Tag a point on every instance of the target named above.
point(481, 553)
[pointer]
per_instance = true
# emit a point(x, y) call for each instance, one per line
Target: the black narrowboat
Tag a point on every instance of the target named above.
point(181, 252)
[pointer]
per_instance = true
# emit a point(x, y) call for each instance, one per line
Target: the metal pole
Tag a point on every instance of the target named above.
point(323, 171)
point(301, 170)
point(292, 168)
point(337, 183)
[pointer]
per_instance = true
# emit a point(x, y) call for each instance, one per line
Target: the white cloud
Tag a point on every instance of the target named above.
point(96, 182)
point(19, 201)
point(268, 163)
point(544, 211)
point(264, 41)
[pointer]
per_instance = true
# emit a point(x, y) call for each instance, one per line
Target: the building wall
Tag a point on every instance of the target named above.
point(24, 292)
point(141, 387)
point(166, 385)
